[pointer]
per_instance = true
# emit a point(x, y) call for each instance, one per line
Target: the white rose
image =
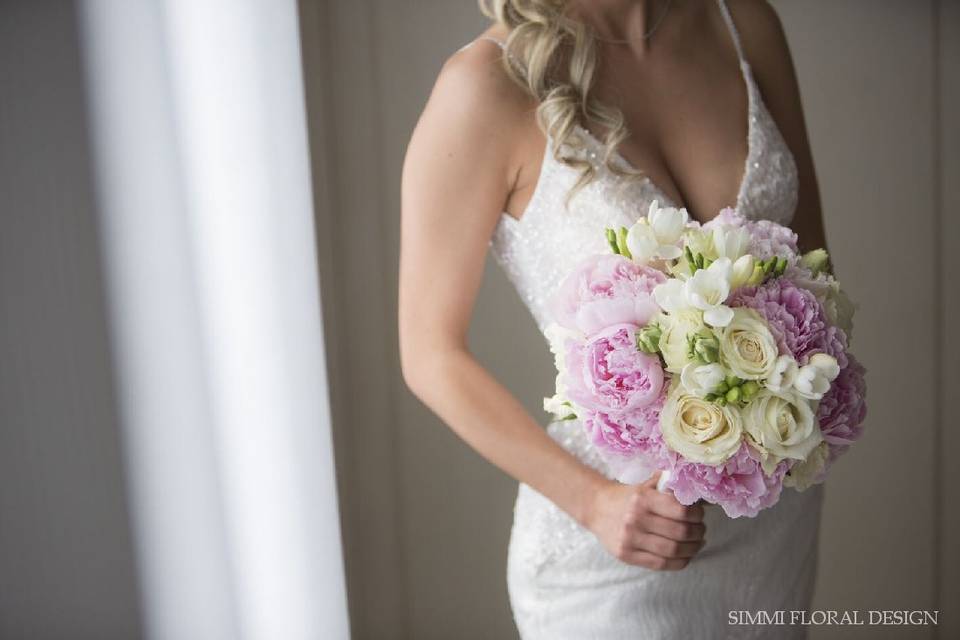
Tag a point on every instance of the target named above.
point(747, 347)
point(701, 379)
point(675, 329)
point(699, 430)
point(805, 474)
point(782, 425)
point(814, 378)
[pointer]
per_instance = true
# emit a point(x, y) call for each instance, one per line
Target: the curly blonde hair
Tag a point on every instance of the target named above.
point(554, 58)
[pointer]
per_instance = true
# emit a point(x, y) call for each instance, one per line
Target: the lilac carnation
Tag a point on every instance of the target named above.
point(796, 319)
point(608, 373)
point(767, 238)
point(606, 290)
point(842, 410)
point(739, 485)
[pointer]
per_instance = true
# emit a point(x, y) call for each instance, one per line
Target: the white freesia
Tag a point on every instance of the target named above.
point(814, 378)
point(559, 406)
point(701, 379)
point(671, 296)
point(807, 473)
point(708, 289)
point(658, 235)
point(781, 425)
point(742, 271)
point(699, 430)
point(730, 242)
point(784, 374)
point(747, 347)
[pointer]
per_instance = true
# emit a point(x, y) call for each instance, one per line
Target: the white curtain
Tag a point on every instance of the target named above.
point(209, 247)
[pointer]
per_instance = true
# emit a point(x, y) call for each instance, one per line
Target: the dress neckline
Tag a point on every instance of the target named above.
point(755, 106)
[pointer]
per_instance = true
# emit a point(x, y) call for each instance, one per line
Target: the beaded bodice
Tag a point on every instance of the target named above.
point(554, 234)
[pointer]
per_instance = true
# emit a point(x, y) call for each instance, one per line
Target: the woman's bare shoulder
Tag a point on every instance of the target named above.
point(761, 31)
point(474, 84)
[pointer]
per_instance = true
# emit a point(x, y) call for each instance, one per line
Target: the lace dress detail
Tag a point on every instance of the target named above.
point(562, 583)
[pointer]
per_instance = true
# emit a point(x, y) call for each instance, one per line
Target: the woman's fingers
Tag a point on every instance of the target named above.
point(673, 529)
point(652, 561)
point(666, 506)
point(667, 548)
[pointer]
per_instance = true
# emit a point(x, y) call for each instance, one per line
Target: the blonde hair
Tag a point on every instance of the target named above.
point(554, 58)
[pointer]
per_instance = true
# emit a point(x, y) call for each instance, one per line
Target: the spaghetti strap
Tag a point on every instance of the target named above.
point(496, 41)
point(733, 30)
point(500, 43)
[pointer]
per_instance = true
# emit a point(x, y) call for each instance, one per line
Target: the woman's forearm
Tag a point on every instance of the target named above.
point(491, 420)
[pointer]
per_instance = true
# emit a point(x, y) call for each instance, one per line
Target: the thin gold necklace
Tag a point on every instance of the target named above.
point(649, 33)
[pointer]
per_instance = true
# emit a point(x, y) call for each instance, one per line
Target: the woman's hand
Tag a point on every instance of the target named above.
point(642, 526)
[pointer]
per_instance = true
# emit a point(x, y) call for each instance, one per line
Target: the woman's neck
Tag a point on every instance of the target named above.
point(619, 20)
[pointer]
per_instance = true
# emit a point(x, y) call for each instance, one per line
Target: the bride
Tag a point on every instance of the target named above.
point(566, 117)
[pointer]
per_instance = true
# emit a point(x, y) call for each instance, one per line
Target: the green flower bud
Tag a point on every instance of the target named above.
point(612, 240)
point(817, 261)
point(648, 338)
point(732, 381)
point(733, 395)
point(769, 265)
point(781, 266)
point(749, 389)
point(757, 276)
point(688, 254)
point(622, 243)
point(722, 401)
point(705, 348)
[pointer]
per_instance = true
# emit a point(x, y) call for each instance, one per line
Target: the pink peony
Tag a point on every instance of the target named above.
point(767, 238)
point(842, 410)
point(796, 319)
point(608, 373)
point(739, 485)
point(606, 290)
point(628, 433)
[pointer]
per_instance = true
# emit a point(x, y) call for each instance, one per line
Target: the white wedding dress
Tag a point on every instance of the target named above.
point(563, 584)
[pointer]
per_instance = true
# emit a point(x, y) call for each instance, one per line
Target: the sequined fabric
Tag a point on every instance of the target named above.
point(562, 583)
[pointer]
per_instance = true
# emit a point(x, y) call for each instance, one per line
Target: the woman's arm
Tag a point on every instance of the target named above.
point(765, 46)
point(459, 171)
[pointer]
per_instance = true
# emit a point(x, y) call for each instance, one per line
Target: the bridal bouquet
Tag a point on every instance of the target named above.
point(715, 353)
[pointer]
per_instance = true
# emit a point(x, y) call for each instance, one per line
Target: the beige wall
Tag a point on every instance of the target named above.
point(426, 521)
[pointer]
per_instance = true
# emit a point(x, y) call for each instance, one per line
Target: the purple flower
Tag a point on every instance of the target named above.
point(739, 485)
point(796, 319)
point(843, 409)
point(607, 372)
point(606, 290)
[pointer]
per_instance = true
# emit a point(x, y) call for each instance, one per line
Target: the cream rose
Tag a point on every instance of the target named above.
point(805, 474)
point(699, 430)
point(675, 330)
point(747, 347)
point(782, 425)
